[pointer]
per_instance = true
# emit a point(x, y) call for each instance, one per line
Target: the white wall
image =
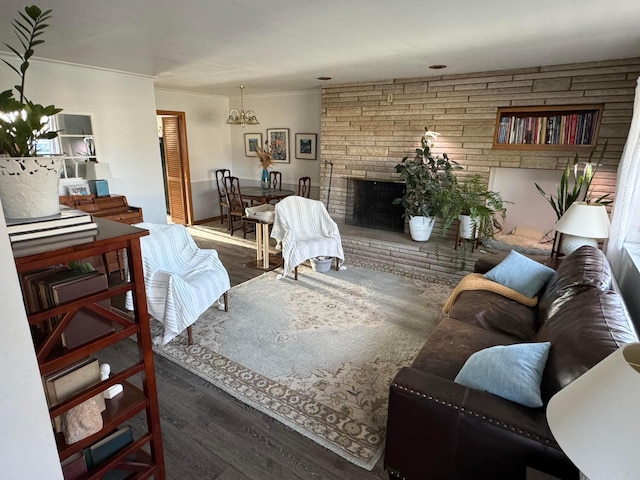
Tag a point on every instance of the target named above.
point(24, 416)
point(123, 110)
point(529, 208)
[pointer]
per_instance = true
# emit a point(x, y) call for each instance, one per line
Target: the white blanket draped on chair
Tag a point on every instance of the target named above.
point(181, 280)
point(303, 229)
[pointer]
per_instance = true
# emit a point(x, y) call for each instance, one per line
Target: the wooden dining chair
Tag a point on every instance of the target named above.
point(224, 205)
point(275, 180)
point(304, 187)
point(276, 183)
point(236, 208)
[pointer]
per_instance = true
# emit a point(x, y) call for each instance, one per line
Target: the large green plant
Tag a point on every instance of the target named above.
point(425, 176)
point(471, 197)
point(22, 122)
point(574, 185)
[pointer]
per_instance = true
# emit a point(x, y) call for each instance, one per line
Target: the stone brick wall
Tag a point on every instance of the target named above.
point(368, 127)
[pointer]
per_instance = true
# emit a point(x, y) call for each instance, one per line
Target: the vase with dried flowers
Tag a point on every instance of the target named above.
point(265, 157)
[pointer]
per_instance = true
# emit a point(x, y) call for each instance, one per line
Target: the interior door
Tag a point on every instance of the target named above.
point(177, 169)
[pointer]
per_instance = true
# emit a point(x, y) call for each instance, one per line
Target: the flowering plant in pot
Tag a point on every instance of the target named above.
point(28, 184)
point(425, 176)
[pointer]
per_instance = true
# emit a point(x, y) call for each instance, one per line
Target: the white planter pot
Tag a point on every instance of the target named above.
point(29, 187)
point(421, 228)
point(466, 228)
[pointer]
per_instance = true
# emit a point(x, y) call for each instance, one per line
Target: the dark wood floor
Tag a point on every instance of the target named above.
point(207, 434)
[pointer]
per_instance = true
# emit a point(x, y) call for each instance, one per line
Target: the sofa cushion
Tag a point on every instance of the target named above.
point(583, 332)
point(513, 372)
point(451, 343)
point(585, 268)
point(496, 313)
point(521, 274)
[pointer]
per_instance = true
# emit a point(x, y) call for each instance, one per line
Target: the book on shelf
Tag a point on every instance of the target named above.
point(74, 466)
point(29, 282)
point(53, 232)
point(63, 384)
point(45, 244)
point(109, 445)
point(85, 325)
point(67, 216)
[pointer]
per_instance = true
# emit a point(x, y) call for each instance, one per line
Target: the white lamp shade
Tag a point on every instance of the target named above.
point(97, 171)
point(596, 418)
point(589, 220)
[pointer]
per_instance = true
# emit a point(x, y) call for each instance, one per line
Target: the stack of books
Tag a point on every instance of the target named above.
point(70, 227)
point(68, 221)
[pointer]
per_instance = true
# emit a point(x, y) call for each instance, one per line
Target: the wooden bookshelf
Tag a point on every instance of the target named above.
point(144, 457)
point(549, 127)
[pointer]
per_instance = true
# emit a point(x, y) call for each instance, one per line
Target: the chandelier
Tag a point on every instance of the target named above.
point(242, 118)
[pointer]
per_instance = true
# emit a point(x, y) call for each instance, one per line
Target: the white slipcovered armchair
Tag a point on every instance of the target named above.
point(303, 229)
point(181, 280)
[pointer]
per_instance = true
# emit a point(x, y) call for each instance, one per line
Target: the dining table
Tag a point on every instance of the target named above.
point(260, 195)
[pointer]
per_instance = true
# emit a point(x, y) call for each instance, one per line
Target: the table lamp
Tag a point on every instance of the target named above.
point(582, 224)
point(596, 418)
point(98, 175)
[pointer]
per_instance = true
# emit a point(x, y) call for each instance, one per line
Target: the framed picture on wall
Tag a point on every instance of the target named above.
point(251, 141)
point(306, 146)
point(278, 139)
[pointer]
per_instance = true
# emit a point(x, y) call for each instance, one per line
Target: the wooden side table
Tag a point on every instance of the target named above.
point(264, 261)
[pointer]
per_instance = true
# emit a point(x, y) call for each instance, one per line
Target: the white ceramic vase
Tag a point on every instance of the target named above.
point(466, 228)
point(29, 187)
point(420, 228)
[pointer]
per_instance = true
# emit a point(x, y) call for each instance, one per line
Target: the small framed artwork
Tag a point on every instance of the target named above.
point(306, 146)
point(279, 143)
point(251, 141)
point(78, 189)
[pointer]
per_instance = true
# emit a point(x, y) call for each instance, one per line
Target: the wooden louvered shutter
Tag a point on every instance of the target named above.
point(172, 153)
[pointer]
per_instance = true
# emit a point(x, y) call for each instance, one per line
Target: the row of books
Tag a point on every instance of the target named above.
point(68, 221)
point(43, 289)
point(570, 129)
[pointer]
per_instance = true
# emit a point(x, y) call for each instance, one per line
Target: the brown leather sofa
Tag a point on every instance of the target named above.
point(438, 429)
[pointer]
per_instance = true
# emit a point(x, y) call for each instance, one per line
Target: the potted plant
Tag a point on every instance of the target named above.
point(425, 176)
point(473, 205)
point(28, 184)
point(574, 185)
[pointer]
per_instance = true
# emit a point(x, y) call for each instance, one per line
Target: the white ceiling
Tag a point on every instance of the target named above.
point(213, 46)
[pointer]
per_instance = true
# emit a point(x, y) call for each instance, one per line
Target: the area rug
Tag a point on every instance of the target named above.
point(317, 354)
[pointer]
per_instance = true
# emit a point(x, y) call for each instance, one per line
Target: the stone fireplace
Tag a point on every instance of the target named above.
point(369, 204)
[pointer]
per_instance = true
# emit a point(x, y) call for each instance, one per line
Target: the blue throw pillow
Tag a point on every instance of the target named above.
point(521, 274)
point(513, 372)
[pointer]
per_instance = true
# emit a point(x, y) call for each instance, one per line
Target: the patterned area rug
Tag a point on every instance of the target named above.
point(317, 354)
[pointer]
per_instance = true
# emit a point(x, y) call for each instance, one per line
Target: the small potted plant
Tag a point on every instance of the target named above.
point(474, 206)
point(425, 176)
point(28, 184)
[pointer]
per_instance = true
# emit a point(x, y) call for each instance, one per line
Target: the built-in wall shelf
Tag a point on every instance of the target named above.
point(549, 127)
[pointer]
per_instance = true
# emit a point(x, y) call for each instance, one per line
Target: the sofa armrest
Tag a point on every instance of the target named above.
point(437, 428)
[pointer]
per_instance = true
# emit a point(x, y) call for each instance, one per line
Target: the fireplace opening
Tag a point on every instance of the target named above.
point(371, 205)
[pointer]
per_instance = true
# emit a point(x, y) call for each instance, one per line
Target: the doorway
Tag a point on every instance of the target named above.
point(172, 133)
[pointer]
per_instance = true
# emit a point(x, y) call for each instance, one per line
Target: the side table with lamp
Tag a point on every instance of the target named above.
point(582, 224)
point(596, 419)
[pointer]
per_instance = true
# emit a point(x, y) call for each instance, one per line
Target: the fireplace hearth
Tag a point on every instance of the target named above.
point(369, 204)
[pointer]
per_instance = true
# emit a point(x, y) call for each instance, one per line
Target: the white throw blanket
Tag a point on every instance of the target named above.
point(303, 229)
point(181, 280)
